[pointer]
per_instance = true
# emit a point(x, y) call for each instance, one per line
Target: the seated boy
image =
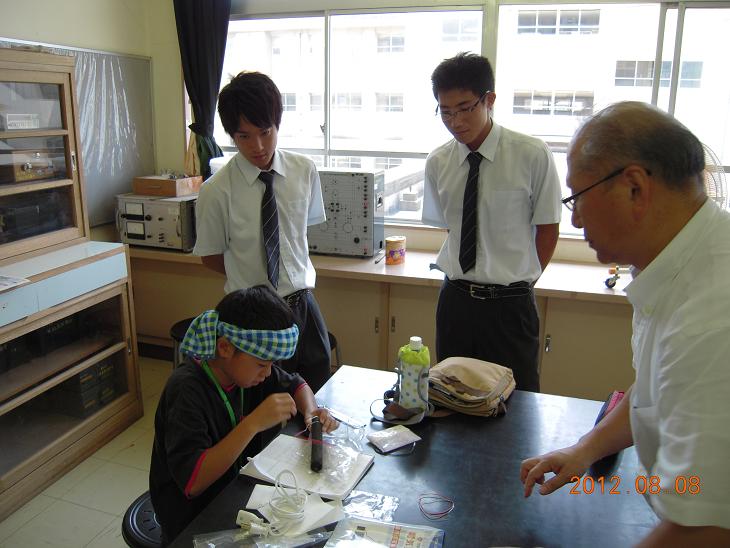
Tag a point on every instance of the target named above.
point(214, 408)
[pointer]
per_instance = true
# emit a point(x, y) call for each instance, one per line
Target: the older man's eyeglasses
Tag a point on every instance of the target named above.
point(570, 201)
point(449, 115)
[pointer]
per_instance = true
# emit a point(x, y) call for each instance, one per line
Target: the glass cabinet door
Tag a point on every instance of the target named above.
point(58, 376)
point(40, 194)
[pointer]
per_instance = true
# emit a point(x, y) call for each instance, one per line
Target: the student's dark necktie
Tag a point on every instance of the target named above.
point(270, 227)
point(468, 247)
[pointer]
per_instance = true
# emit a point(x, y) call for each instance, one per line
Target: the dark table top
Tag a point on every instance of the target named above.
point(476, 461)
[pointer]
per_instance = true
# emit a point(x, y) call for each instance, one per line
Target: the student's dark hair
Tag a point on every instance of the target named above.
point(252, 95)
point(257, 307)
point(464, 71)
point(635, 132)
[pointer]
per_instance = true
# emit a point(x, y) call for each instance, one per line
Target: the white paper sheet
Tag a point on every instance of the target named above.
point(342, 468)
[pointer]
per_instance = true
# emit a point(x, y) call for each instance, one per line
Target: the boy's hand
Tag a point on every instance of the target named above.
point(328, 423)
point(274, 410)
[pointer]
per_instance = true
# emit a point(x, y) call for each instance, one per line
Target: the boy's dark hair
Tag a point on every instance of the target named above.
point(252, 95)
point(257, 307)
point(464, 71)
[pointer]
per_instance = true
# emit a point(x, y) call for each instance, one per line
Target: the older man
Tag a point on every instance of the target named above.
point(638, 181)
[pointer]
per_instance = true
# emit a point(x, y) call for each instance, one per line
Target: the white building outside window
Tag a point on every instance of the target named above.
point(556, 64)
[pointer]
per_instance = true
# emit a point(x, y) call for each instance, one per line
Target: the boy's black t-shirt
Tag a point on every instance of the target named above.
point(191, 418)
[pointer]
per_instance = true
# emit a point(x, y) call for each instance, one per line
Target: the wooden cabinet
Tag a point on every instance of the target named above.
point(411, 311)
point(372, 320)
point(356, 312)
point(586, 348)
point(167, 292)
point(68, 365)
point(41, 200)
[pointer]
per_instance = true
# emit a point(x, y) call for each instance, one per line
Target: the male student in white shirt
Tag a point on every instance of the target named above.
point(502, 228)
point(232, 219)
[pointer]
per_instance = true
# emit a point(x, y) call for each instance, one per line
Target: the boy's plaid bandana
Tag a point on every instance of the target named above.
point(266, 345)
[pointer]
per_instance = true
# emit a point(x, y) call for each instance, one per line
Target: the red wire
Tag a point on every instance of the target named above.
point(427, 499)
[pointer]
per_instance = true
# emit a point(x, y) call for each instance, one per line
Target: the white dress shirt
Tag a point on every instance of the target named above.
point(680, 403)
point(228, 220)
point(518, 189)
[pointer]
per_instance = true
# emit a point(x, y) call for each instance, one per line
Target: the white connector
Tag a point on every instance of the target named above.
point(246, 518)
point(252, 524)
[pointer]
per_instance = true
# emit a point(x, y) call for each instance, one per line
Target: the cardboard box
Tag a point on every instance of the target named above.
point(157, 185)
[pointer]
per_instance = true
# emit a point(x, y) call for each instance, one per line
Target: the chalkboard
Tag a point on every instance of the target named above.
point(114, 95)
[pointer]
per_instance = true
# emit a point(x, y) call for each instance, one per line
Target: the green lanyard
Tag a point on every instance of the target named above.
point(226, 402)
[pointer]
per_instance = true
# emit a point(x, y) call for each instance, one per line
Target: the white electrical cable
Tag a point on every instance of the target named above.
point(286, 507)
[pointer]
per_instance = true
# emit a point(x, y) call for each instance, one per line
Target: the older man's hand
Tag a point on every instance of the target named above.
point(565, 463)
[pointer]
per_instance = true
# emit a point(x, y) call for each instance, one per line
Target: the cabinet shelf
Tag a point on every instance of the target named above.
point(31, 373)
point(18, 134)
point(41, 432)
point(21, 188)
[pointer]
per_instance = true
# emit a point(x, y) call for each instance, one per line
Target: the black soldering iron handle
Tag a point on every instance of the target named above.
point(315, 440)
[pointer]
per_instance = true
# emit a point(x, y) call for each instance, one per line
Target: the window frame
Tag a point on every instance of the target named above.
point(253, 9)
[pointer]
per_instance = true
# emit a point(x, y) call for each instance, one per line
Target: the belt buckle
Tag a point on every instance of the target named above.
point(472, 293)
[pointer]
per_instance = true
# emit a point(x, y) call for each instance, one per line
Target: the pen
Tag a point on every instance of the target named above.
point(380, 257)
point(344, 419)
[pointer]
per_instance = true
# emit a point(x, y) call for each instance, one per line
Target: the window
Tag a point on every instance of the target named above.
point(545, 21)
point(391, 43)
point(387, 163)
point(289, 101)
point(315, 101)
point(541, 91)
point(291, 52)
point(351, 162)
point(347, 101)
point(534, 21)
point(690, 74)
point(548, 91)
point(396, 113)
point(635, 73)
point(461, 28)
point(559, 103)
point(702, 94)
point(389, 102)
point(641, 73)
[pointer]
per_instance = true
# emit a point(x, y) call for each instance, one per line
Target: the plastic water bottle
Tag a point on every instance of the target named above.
point(414, 363)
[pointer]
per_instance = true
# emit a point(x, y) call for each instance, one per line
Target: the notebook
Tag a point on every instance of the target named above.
point(342, 469)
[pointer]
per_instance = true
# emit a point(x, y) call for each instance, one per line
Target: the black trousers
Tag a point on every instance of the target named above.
point(312, 357)
point(503, 330)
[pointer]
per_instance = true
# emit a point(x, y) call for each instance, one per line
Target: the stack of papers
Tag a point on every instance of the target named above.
point(342, 468)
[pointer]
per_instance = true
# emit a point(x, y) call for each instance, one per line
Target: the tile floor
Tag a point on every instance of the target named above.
point(85, 507)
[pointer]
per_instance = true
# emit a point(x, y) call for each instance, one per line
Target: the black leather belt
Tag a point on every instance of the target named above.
point(293, 299)
point(492, 291)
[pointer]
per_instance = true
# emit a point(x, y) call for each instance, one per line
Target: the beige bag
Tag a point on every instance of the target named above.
point(470, 386)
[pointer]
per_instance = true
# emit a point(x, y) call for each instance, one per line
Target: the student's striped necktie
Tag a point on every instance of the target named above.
point(468, 247)
point(270, 228)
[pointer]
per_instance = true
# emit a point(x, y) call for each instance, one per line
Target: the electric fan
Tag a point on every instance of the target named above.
point(714, 174)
